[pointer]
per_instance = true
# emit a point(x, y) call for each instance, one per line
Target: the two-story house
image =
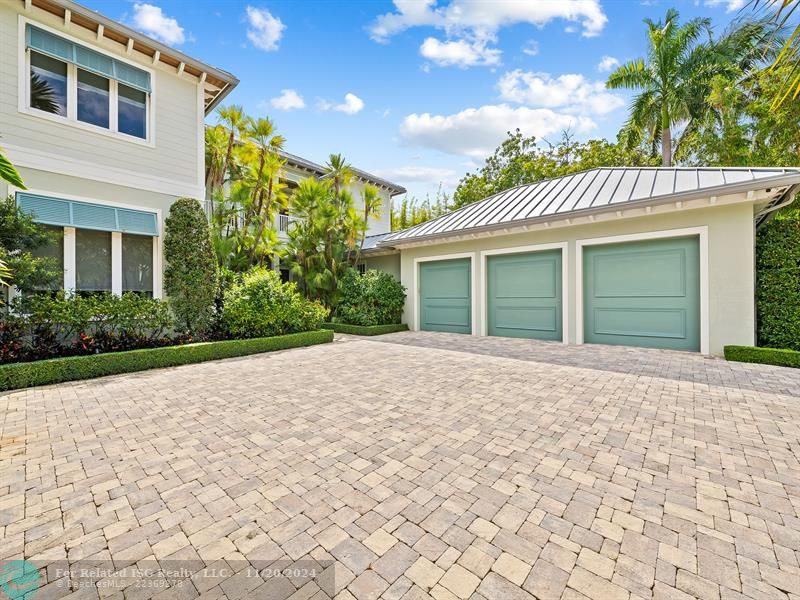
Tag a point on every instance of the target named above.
point(106, 128)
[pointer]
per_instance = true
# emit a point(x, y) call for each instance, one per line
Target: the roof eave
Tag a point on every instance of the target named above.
point(787, 180)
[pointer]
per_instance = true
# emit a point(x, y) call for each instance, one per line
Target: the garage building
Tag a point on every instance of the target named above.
point(652, 257)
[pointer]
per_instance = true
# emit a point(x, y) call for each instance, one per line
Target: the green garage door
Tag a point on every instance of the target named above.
point(643, 294)
point(524, 295)
point(445, 299)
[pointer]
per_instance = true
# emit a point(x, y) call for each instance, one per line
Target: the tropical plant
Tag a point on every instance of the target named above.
point(8, 173)
point(20, 239)
point(374, 298)
point(260, 305)
point(668, 80)
point(190, 277)
point(787, 61)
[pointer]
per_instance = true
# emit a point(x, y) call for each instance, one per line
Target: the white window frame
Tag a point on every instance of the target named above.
point(700, 232)
point(416, 289)
point(71, 118)
point(484, 290)
point(70, 258)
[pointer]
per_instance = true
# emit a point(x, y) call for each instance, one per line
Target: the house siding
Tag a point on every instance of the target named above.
point(730, 258)
point(170, 163)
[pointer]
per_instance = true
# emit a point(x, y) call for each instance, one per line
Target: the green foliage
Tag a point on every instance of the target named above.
point(374, 298)
point(518, 160)
point(9, 174)
point(365, 329)
point(765, 356)
point(778, 281)
point(20, 237)
point(45, 372)
point(261, 305)
point(412, 212)
point(59, 324)
point(190, 277)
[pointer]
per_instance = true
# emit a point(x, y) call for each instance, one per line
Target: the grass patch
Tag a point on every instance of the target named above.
point(44, 372)
point(767, 356)
point(365, 329)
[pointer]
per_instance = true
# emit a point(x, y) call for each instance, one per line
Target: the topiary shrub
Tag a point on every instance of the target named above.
point(261, 305)
point(778, 281)
point(190, 277)
point(374, 298)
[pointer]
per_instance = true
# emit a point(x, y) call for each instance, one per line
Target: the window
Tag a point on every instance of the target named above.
point(362, 268)
point(94, 99)
point(92, 260)
point(132, 111)
point(85, 86)
point(55, 252)
point(48, 84)
point(137, 264)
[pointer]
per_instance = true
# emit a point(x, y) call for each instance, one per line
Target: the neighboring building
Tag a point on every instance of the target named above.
point(106, 128)
point(655, 257)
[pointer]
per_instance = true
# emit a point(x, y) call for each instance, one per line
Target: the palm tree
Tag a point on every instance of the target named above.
point(668, 79)
point(372, 207)
point(236, 124)
point(265, 142)
point(339, 172)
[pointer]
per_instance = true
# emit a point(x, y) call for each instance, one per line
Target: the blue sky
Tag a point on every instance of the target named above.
point(416, 91)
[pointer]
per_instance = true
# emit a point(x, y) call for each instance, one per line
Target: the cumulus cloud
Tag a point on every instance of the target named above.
point(288, 100)
point(460, 53)
point(607, 63)
point(151, 20)
point(476, 132)
point(481, 17)
point(571, 92)
point(730, 5)
point(351, 105)
point(265, 30)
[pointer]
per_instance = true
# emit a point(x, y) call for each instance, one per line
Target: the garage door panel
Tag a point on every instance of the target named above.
point(524, 295)
point(531, 319)
point(445, 296)
point(659, 273)
point(641, 322)
point(643, 293)
point(531, 279)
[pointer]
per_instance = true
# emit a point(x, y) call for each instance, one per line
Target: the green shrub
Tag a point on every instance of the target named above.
point(767, 356)
point(365, 329)
point(261, 305)
point(778, 282)
point(45, 372)
point(190, 277)
point(374, 298)
point(46, 326)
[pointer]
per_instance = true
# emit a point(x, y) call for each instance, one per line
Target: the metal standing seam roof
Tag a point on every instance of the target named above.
point(596, 190)
point(371, 241)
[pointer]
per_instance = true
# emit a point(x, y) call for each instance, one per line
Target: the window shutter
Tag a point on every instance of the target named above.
point(86, 58)
point(85, 215)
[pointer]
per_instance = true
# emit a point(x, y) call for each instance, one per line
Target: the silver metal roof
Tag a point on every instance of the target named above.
point(371, 241)
point(594, 191)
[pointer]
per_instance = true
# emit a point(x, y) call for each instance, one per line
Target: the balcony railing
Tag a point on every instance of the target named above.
point(283, 223)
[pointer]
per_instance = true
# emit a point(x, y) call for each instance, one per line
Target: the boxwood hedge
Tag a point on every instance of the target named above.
point(43, 372)
point(767, 356)
point(365, 329)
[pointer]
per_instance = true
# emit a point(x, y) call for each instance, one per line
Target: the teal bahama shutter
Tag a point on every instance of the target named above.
point(85, 215)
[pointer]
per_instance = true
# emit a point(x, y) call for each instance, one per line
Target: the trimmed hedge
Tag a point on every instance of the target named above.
point(44, 372)
point(766, 356)
point(365, 329)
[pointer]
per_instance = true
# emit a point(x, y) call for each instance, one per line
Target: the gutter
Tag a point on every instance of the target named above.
point(790, 179)
point(785, 200)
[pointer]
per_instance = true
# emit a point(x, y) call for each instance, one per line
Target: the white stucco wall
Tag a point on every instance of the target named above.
point(731, 307)
point(389, 263)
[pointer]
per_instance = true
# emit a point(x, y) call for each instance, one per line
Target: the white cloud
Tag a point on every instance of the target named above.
point(531, 48)
point(459, 53)
point(607, 63)
point(351, 105)
point(417, 174)
point(151, 20)
point(476, 132)
point(265, 31)
point(571, 92)
point(288, 100)
point(485, 18)
point(730, 5)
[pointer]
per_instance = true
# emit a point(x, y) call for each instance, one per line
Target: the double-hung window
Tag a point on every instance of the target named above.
point(85, 86)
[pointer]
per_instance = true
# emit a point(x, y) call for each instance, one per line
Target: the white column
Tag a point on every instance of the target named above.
point(116, 263)
point(157, 292)
point(69, 259)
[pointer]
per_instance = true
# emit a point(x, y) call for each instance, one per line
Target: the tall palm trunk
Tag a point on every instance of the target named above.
point(265, 218)
point(666, 139)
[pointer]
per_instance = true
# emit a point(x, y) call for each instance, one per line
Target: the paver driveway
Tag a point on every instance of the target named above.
point(416, 464)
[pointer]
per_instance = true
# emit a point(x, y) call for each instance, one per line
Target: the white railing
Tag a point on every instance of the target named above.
point(283, 223)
